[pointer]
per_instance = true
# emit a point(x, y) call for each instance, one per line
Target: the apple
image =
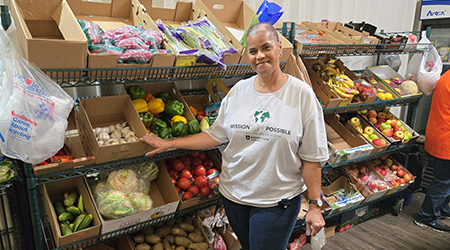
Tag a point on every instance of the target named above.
point(404, 128)
point(383, 157)
point(382, 186)
point(381, 115)
point(386, 168)
point(389, 116)
point(363, 170)
point(388, 162)
point(372, 113)
point(363, 178)
point(399, 135)
point(381, 120)
point(363, 112)
point(408, 177)
point(387, 132)
point(379, 142)
point(373, 120)
point(377, 125)
point(401, 181)
point(394, 168)
point(367, 136)
point(359, 129)
point(408, 136)
point(379, 169)
point(354, 172)
point(392, 122)
point(372, 185)
point(400, 173)
point(398, 129)
point(399, 124)
point(384, 172)
point(355, 121)
point(385, 125)
point(373, 137)
point(368, 130)
point(393, 183)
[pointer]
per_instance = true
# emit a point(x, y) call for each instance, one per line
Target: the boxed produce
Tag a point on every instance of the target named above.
point(236, 15)
point(136, 194)
point(219, 44)
point(353, 217)
point(72, 214)
point(109, 127)
point(72, 155)
point(342, 144)
point(49, 34)
point(325, 209)
point(368, 183)
point(342, 194)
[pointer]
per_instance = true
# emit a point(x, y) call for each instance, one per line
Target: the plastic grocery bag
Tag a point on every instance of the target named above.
point(430, 67)
point(413, 67)
point(34, 109)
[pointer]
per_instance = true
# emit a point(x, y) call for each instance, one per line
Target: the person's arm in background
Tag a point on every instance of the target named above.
point(312, 174)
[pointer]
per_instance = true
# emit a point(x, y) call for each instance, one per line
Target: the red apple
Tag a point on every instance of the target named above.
point(368, 130)
point(388, 132)
point(363, 178)
point(398, 129)
point(355, 121)
point(381, 115)
point(384, 172)
point(372, 185)
point(372, 113)
point(400, 173)
point(379, 142)
point(359, 129)
point(381, 120)
point(392, 122)
point(399, 135)
point(382, 186)
point(401, 181)
point(394, 168)
point(408, 177)
point(363, 170)
point(393, 183)
point(373, 120)
point(354, 172)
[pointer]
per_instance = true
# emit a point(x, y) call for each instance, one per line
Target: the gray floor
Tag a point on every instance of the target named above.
point(390, 232)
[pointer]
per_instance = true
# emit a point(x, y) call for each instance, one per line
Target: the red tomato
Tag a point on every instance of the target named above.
point(202, 155)
point(196, 161)
point(178, 165)
point(204, 190)
point(185, 159)
point(175, 174)
point(187, 196)
point(211, 171)
point(193, 189)
point(184, 183)
point(174, 181)
point(200, 170)
point(208, 163)
point(185, 174)
point(178, 189)
point(166, 165)
point(200, 181)
point(194, 155)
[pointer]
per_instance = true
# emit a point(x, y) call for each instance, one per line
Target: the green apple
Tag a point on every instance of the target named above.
point(404, 128)
point(367, 136)
point(408, 136)
point(399, 124)
point(363, 112)
point(384, 126)
point(373, 137)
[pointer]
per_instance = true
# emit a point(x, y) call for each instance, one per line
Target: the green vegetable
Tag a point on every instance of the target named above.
point(65, 228)
point(7, 172)
point(165, 133)
point(59, 207)
point(70, 200)
point(66, 216)
point(147, 118)
point(165, 96)
point(136, 92)
point(157, 125)
point(193, 126)
point(81, 204)
point(173, 108)
point(77, 222)
point(85, 223)
point(113, 204)
point(73, 210)
point(141, 201)
point(179, 129)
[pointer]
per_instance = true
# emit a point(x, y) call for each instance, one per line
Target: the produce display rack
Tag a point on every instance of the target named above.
point(11, 235)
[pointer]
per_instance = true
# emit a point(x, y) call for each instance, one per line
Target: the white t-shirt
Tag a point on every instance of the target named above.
point(267, 135)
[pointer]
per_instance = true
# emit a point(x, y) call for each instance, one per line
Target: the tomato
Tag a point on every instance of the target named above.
point(200, 181)
point(178, 189)
point(174, 181)
point(175, 174)
point(178, 165)
point(208, 163)
point(200, 170)
point(194, 155)
point(166, 165)
point(196, 161)
point(211, 171)
point(185, 174)
point(193, 189)
point(187, 196)
point(184, 183)
point(185, 159)
point(202, 155)
point(204, 190)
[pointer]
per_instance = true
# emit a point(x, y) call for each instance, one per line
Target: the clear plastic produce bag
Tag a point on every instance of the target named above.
point(430, 69)
point(34, 109)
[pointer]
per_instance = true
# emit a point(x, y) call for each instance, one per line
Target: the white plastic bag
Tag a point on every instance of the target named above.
point(429, 71)
point(34, 109)
point(319, 240)
point(413, 67)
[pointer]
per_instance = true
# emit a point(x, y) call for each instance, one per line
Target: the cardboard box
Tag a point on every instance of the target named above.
point(341, 205)
point(165, 201)
point(113, 15)
point(353, 217)
point(185, 11)
point(230, 238)
point(105, 111)
point(55, 191)
point(236, 15)
point(49, 34)
point(330, 231)
point(343, 145)
point(196, 101)
point(72, 139)
point(324, 93)
point(325, 209)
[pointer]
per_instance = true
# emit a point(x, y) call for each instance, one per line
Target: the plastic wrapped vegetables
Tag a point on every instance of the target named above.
point(141, 202)
point(124, 180)
point(92, 31)
point(113, 204)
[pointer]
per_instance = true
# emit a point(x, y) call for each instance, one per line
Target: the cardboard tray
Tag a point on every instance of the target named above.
point(363, 189)
point(338, 206)
point(196, 101)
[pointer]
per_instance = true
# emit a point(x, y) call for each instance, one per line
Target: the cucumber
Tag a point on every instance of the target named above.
point(70, 200)
point(73, 210)
point(77, 222)
point(59, 207)
point(85, 223)
point(65, 228)
point(81, 204)
point(66, 216)
point(71, 226)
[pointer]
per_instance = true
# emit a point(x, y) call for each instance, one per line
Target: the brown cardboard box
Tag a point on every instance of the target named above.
point(330, 231)
point(338, 206)
point(365, 123)
point(113, 15)
point(231, 240)
point(49, 33)
point(55, 191)
point(196, 101)
point(105, 111)
point(237, 15)
point(185, 11)
point(72, 139)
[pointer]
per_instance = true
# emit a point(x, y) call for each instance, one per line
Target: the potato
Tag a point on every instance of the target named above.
point(188, 219)
point(166, 245)
point(199, 246)
point(186, 227)
point(140, 238)
point(180, 248)
point(171, 222)
point(152, 239)
point(195, 238)
point(182, 241)
point(158, 246)
point(143, 246)
point(163, 231)
point(170, 238)
point(147, 231)
point(197, 232)
point(179, 220)
point(178, 232)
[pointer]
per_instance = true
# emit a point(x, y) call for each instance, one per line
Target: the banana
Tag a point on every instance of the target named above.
point(331, 71)
point(342, 94)
point(317, 66)
point(343, 89)
point(354, 92)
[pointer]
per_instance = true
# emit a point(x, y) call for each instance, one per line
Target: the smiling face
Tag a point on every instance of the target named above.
point(264, 52)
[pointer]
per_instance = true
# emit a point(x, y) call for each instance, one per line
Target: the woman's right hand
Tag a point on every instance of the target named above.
point(159, 145)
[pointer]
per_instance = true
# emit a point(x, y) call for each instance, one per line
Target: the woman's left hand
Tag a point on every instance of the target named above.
point(314, 220)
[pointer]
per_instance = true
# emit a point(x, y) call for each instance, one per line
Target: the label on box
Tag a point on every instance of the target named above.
point(344, 103)
point(186, 61)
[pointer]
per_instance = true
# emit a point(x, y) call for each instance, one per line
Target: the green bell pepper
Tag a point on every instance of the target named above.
point(173, 108)
point(147, 119)
point(157, 125)
point(136, 92)
point(193, 126)
point(165, 96)
point(165, 133)
point(179, 129)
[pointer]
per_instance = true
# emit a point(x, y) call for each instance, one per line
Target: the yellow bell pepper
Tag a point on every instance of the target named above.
point(156, 105)
point(140, 105)
point(178, 118)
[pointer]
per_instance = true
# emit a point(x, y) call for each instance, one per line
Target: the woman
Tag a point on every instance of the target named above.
point(276, 137)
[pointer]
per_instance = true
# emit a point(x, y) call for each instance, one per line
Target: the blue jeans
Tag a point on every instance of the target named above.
point(438, 193)
point(263, 228)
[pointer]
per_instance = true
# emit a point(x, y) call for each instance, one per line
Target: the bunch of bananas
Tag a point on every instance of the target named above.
point(338, 81)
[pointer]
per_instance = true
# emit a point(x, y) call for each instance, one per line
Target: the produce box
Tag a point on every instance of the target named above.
point(352, 217)
point(54, 191)
point(345, 203)
point(49, 34)
point(236, 15)
point(197, 101)
point(355, 172)
point(324, 93)
point(165, 201)
point(325, 209)
point(72, 140)
point(106, 111)
point(342, 144)
point(229, 237)
point(117, 14)
point(184, 12)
